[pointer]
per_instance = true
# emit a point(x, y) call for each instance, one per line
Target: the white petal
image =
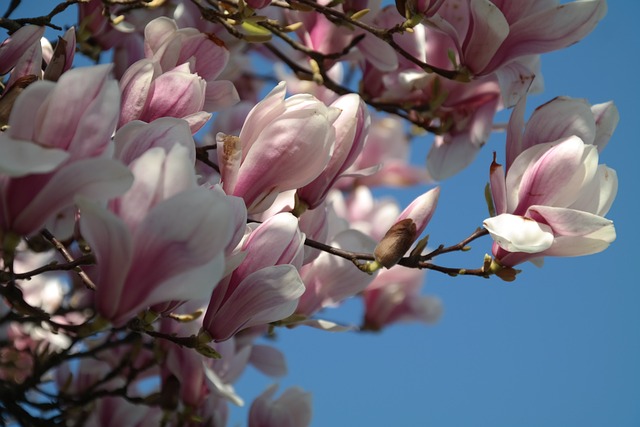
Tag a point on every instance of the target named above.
point(519, 234)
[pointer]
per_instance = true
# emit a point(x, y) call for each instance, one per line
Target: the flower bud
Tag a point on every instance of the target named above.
point(396, 242)
point(409, 225)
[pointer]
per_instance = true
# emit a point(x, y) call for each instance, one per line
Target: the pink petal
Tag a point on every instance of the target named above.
point(569, 222)
point(157, 32)
point(30, 63)
point(133, 139)
point(21, 121)
point(268, 360)
point(189, 248)
point(96, 178)
point(553, 175)
point(112, 245)
point(266, 111)
point(552, 29)
point(15, 46)
point(379, 53)
point(580, 245)
point(560, 118)
point(220, 95)
point(20, 158)
point(80, 98)
point(607, 118)
point(268, 295)
point(488, 30)
point(598, 195)
point(278, 240)
point(211, 56)
point(298, 137)
point(135, 85)
point(498, 187)
point(174, 94)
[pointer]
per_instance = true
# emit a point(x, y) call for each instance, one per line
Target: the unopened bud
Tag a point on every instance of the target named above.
point(396, 242)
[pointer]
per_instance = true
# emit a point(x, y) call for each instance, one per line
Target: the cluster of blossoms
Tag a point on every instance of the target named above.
point(186, 244)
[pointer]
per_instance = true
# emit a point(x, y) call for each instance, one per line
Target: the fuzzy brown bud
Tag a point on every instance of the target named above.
point(396, 242)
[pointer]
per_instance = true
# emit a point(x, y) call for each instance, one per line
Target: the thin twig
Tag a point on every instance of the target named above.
point(67, 256)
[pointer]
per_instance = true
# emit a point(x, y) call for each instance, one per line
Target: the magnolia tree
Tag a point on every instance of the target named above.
point(208, 181)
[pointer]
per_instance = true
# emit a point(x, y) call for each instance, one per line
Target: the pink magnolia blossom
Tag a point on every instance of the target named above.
point(489, 34)
point(54, 148)
point(468, 113)
point(18, 45)
point(351, 130)
point(161, 259)
point(116, 411)
point(178, 76)
point(206, 55)
point(22, 55)
point(554, 197)
point(148, 93)
point(329, 280)
point(394, 296)
point(266, 286)
point(164, 231)
point(291, 409)
point(462, 112)
point(362, 212)
point(384, 159)
point(278, 137)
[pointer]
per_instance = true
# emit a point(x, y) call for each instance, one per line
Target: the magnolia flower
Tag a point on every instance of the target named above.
point(489, 34)
point(177, 76)
point(266, 286)
point(291, 409)
point(351, 129)
point(18, 45)
point(206, 55)
point(284, 144)
point(163, 232)
point(329, 280)
point(554, 197)
point(394, 296)
point(116, 411)
point(55, 148)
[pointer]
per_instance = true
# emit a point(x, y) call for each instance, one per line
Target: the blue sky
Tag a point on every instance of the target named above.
point(558, 347)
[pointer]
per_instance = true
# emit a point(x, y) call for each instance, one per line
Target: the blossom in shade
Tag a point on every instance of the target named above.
point(489, 34)
point(291, 409)
point(55, 148)
point(394, 296)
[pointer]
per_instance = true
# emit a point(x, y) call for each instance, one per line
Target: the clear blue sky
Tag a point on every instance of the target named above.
point(558, 347)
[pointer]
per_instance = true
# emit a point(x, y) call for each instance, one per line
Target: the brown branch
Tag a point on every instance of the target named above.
point(87, 259)
point(67, 256)
point(15, 24)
